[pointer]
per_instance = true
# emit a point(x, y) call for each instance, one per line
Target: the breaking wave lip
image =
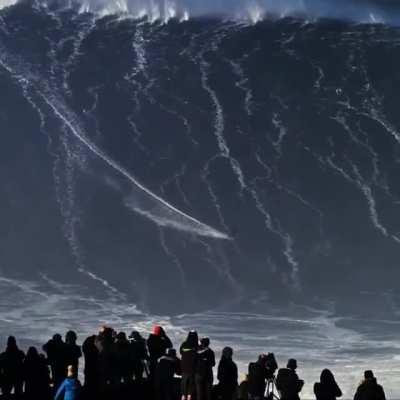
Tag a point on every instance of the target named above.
point(245, 11)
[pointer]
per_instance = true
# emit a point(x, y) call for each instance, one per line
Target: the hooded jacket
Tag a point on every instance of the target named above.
point(70, 388)
point(370, 390)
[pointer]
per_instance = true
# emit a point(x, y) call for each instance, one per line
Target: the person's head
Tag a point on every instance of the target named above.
point(32, 352)
point(262, 359)
point(11, 342)
point(71, 337)
point(292, 364)
point(135, 335)
point(227, 353)
point(57, 338)
point(71, 372)
point(369, 375)
point(106, 332)
point(327, 377)
point(121, 337)
point(192, 339)
point(171, 353)
point(157, 330)
point(205, 342)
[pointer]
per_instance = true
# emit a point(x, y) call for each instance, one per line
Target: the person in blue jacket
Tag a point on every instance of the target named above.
point(70, 388)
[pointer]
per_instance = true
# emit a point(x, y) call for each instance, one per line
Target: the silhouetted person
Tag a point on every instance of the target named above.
point(257, 378)
point(227, 375)
point(327, 388)
point(139, 355)
point(288, 383)
point(122, 359)
point(369, 388)
point(72, 351)
point(104, 344)
point(36, 375)
point(91, 373)
point(11, 368)
point(188, 352)
point(56, 356)
point(70, 388)
point(167, 367)
point(204, 370)
point(243, 392)
point(157, 343)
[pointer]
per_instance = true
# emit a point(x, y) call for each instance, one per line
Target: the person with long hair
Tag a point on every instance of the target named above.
point(327, 388)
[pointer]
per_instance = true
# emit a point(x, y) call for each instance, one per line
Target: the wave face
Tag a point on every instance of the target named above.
point(200, 164)
point(212, 157)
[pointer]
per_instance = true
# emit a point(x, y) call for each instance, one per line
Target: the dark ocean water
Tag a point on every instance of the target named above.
point(239, 178)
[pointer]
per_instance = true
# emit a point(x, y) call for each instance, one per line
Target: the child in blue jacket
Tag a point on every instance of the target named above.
point(70, 388)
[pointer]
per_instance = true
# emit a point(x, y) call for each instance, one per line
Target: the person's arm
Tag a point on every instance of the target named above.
point(316, 390)
point(357, 394)
point(60, 391)
point(212, 359)
point(382, 393)
point(338, 392)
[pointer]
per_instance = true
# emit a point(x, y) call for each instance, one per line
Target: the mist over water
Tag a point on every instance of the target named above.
point(221, 166)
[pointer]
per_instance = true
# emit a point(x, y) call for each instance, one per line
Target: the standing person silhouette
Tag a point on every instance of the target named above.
point(327, 388)
point(11, 368)
point(369, 388)
point(227, 375)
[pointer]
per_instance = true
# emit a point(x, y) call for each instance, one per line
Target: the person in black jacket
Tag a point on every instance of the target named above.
point(11, 368)
point(72, 351)
point(257, 378)
point(204, 370)
point(327, 388)
point(122, 359)
point(188, 352)
point(167, 367)
point(56, 356)
point(157, 343)
point(227, 375)
point(288, 383)
point(36, 375)
point(369, 388)
point(104, 343)
point(139, 355)
point(91, 372)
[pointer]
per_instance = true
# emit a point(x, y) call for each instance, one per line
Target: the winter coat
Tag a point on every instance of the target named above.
point(70, 388)
point(327, 391)
point(370, 390)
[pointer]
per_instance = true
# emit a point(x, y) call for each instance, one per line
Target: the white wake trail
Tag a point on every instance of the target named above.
point(185, 222)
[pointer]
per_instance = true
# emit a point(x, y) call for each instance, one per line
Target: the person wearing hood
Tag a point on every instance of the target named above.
point(157, 343)
point(167, 367)
point(72, 351)
point(327, 388)
point(70, 388)
point(188, 352)
point(204, 370)
point(369, 388)
point(36, 375)
point(139, 355)
point(55, 349)
point(227, 375)
point(11, 368)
